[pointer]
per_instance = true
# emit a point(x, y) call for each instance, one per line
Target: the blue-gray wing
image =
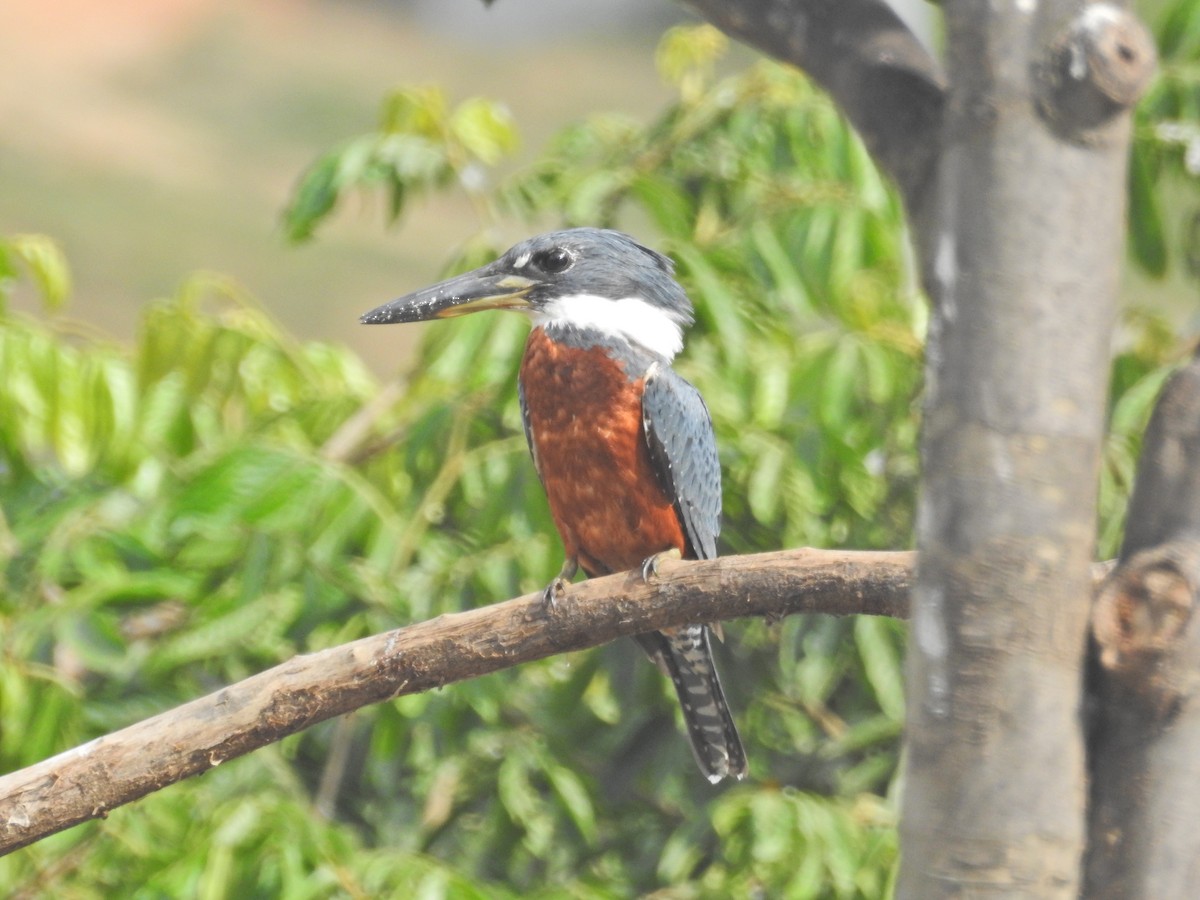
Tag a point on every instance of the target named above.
point(683, 450)
point(528, 428)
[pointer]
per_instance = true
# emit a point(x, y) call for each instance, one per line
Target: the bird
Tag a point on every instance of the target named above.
point(624, 447)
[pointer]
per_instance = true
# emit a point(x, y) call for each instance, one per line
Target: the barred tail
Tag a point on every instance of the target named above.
point(686, 658)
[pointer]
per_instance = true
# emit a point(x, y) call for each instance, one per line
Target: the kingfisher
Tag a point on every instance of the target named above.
point(624, 446)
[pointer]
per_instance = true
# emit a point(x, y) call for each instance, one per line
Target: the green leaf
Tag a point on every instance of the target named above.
point(46, 262)
point(841, 374)
point(8, 274)
point(313, 199)
point(688, 52)
point(1147, 232)
point(672, 209)
point(1179, 32)
point(415, 109)
point(879, 647)
point(575, 797)
point(485, 129)
point(764, 488)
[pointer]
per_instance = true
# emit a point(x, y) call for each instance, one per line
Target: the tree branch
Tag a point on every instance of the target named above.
point(1147, 726)
point(88, 781)
point(94, 778)
point(881, 77)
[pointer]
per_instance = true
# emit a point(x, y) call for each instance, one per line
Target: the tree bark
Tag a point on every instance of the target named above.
point(89, 781)
point(1013, 176)
point(1144, 842)
point(1029, 233)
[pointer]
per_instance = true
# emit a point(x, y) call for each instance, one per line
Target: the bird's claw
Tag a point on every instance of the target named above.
point(558, 586)
point(550, 595)
point(650, 565)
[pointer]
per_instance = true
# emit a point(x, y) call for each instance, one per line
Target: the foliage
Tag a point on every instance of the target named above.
point(420, 145)
point(1164, 239)
point(187, 511)
point(1166, 148)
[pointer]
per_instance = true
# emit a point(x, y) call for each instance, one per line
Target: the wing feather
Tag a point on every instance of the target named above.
point(683, 449)
point(528, 426)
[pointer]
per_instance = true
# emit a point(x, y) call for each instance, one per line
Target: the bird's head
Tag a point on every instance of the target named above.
point(583, 279)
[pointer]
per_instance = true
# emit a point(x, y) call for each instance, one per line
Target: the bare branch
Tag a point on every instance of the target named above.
point(878, 73)
point(88, 781)
point(1145, 768)
point(1099, 65)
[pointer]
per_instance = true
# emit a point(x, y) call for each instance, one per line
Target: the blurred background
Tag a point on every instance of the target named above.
point(153, 138)
point(156, 137)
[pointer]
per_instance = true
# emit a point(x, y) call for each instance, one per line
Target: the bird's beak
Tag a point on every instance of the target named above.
point(468, 293)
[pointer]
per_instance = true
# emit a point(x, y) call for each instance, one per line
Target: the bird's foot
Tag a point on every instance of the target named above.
point(558, 586)
point(650, 566)
point(550, 595)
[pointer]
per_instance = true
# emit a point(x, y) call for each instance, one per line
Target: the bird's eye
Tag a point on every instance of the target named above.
point(555, 260)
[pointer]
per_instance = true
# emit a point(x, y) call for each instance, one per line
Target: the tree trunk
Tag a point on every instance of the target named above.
point(1145, 736)
point(1012, 169)
point(1025, 263)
